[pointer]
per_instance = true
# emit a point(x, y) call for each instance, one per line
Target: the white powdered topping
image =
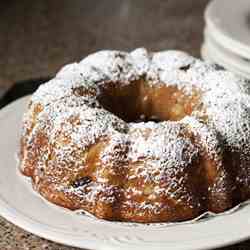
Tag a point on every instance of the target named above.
point(161, 147)
point(79, 126)
point(116, 65)
point(141, 61)
point(227, 105)
point(161, 142)
point(155, 152)
point(116, 149)
point(207, 138)
point(172, 60)
point(161, 152)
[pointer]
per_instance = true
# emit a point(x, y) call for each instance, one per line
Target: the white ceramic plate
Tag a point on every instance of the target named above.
point(23, 207)
point(229, 22)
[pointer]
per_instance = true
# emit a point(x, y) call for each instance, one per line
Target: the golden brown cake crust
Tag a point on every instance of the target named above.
point(142, 137)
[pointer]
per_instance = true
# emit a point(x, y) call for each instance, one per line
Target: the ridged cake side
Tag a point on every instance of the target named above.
point(80, 154)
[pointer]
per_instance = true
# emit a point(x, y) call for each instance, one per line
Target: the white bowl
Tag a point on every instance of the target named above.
point(213, 52)
point(229, 23)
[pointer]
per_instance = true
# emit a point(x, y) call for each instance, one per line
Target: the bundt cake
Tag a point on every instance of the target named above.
point(140, 137)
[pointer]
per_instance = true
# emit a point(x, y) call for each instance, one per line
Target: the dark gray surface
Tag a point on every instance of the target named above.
point(38, 37)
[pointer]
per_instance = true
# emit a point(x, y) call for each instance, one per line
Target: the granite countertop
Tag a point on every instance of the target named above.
point(38, 37)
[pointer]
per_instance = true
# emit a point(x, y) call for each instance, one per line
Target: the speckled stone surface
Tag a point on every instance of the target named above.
point(38, 37)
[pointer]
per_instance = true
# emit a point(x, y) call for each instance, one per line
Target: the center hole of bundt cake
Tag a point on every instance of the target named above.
point(142, 102)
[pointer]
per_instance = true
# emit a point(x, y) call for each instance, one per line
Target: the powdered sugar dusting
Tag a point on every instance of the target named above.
point(69, 113)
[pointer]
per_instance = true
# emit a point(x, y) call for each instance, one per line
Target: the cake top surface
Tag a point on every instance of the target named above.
point(225, 98)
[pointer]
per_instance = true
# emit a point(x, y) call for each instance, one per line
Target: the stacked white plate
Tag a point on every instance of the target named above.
point(227, 35)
